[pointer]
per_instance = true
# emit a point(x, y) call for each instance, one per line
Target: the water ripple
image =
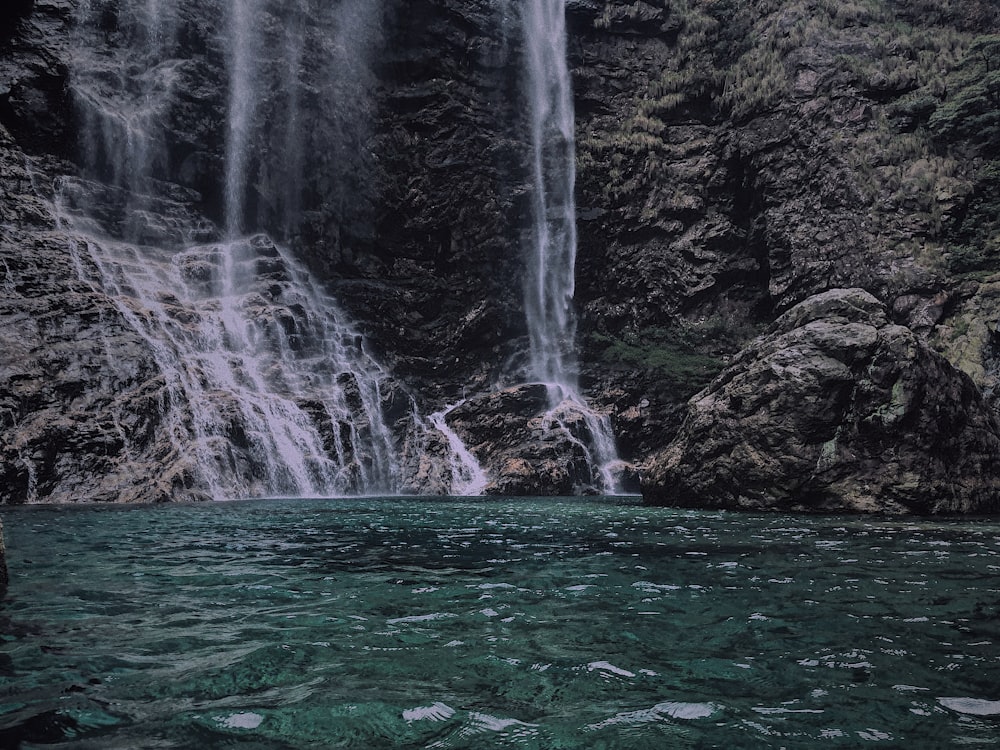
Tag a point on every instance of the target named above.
point(456, 624)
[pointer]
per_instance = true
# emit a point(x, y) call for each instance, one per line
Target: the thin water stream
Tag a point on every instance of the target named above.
point(551, 264)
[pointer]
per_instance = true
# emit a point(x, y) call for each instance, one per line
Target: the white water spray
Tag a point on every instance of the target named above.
point(267, 388)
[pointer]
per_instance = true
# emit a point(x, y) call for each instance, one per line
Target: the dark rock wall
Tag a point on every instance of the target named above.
point(734, 159)
point(4, 576)
point(34, 98)
point(737, 157)
point(439, 285)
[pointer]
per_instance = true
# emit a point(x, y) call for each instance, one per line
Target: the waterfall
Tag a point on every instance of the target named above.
point(243, 53)
point(551, 262)
point(267, 387)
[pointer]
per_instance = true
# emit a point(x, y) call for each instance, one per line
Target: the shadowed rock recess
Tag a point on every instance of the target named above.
point(788, 208)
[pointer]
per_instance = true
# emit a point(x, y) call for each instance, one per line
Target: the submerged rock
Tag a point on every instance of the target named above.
point(835, 409)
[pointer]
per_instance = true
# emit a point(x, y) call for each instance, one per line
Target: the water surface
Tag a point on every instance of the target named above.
point(466, 623)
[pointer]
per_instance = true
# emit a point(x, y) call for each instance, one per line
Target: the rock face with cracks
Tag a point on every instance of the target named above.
point(835, 409)
point(733, 159)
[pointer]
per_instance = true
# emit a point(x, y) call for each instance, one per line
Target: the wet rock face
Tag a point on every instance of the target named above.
point(80, 394)
point(526, 446)
point(438, 284)
point(835, 409)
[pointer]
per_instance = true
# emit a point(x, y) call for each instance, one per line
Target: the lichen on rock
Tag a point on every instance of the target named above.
point(835, 409)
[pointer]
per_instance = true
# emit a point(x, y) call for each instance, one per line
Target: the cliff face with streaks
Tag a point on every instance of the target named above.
point(734, 159)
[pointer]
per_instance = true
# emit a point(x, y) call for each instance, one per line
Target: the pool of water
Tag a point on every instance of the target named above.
point(468, 623)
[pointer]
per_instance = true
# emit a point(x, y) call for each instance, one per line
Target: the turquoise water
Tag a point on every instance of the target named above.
point(371, 623)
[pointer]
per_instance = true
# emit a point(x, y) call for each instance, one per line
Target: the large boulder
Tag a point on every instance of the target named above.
point(526, 445)
point(835, 409)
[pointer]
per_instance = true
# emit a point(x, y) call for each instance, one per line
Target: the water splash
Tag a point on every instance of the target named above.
point(551, 266)
point(267, 389)
point(595, 439)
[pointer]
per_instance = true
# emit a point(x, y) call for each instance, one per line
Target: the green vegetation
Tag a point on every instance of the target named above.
point(972, 109)
point(897, 100)
point(633, 147)
point(663, 351)
point(969, 117)
point(738, 60)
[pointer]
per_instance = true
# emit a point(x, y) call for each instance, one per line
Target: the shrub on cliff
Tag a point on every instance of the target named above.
point(970, 113)
point(972, 108)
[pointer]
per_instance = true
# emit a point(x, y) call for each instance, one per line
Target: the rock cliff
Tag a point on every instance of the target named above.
point(734, 160)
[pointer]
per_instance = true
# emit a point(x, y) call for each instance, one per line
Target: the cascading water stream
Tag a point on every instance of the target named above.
point(550, 280)
point(267, 388)
point(467, 475)
point(551, 267)
point(243, 43)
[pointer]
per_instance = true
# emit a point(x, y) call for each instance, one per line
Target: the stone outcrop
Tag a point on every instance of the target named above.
point(525, 445)
point(835, 409)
